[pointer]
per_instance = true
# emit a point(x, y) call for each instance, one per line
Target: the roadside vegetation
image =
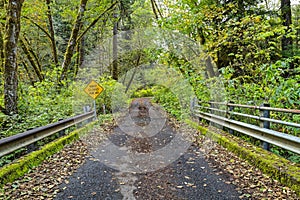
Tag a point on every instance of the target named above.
point(252, 46)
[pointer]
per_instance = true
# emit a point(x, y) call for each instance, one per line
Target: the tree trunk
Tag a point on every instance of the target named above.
point(73, 40)
point(115, 49)
point(31, 59)
point(133, 74)
point(28, 73)
point(10, 56)
point(52, 33)
point(80, 56)
point(1, 52)
point(210, 67)
point(34, 55)
point(154, 10)
point(1, 39)
point(286, 15)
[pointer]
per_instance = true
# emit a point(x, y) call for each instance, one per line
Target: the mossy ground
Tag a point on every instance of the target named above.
point(286, 172)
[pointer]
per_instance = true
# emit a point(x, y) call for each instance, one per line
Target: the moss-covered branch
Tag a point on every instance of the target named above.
point(33, 54)
point(96, 20)
point(37, 25)
point(28, 73)
point(31, 59)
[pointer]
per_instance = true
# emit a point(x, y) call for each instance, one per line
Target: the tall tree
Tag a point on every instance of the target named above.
point(2, 18)
point(52, 33)
point(122, 21)
point(1, 50)
point(286, 14)
point(296, 22)
point(12, 31)
point(115, 48)
point(73, 40)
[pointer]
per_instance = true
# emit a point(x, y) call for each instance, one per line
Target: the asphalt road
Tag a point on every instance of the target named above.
point(110, 175)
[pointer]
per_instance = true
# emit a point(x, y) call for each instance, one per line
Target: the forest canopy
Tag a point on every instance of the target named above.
point(253, 45)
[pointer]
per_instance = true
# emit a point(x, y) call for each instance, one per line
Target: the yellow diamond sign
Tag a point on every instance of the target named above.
point(93, 89)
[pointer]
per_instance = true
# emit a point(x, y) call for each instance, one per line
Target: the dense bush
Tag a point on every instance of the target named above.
point(165, 98)
point(113, 91)
point(38, 105)
point(271, 86)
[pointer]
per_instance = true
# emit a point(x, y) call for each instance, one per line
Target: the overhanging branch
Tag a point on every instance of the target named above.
point(95, 21)
point(40, 27)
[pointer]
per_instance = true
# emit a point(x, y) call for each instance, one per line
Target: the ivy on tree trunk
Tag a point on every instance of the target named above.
point(10, 56)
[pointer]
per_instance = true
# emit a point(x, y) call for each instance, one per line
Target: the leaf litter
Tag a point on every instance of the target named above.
point(43, 181)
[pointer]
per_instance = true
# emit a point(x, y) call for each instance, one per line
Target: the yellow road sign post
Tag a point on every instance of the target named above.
point(93, 89)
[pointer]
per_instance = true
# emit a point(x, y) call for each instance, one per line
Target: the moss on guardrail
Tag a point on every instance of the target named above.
point(12, 171)
point(284, 171)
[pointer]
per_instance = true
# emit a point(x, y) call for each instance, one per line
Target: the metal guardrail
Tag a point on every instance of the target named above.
point(262, 132)
point(12, 143)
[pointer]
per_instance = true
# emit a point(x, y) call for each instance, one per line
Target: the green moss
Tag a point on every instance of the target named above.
point(286, 172)
point(17, 169)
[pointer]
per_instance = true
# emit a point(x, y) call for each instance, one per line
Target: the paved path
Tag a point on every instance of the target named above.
point(110, 174)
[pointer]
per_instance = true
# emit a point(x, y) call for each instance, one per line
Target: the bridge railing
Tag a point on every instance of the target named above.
point(27, 138)
point(223, 114)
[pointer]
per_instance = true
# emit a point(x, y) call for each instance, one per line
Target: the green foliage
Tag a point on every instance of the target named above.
point(169, 101)
point(10, 157)
point(148, 92)
point(112, 91)
point(268, 86)
point(39, 105)
point(272, 87)
point(245, 42)
point(243, 39)
point(164, 97)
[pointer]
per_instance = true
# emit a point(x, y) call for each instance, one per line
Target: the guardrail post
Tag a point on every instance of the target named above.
point(86, 109)
point(62, 132)
point(211, 105)
point(192, 106)
point(104, 109)
point(95, 110)
point(32, 147)
point(265, 124)
point(229, 116)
